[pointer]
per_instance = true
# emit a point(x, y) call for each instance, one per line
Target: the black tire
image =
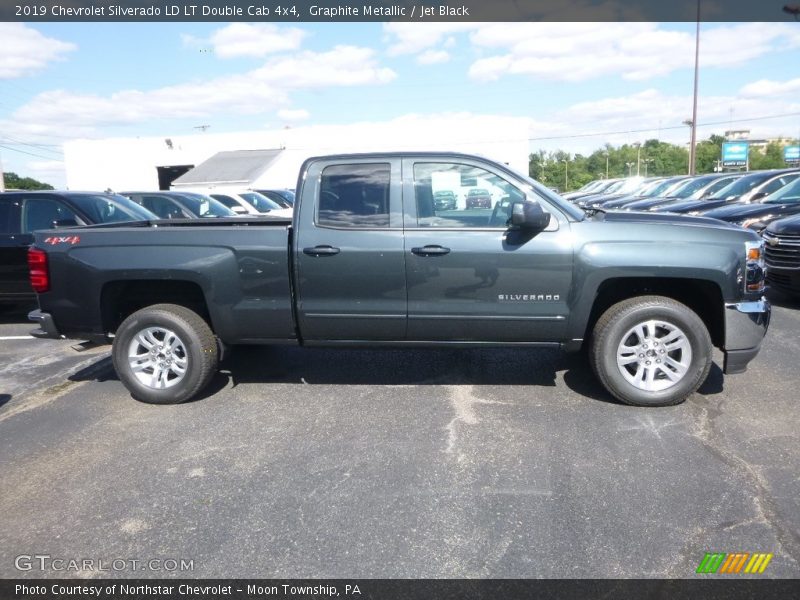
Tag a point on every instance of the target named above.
point(198, 351)
point(613, 328)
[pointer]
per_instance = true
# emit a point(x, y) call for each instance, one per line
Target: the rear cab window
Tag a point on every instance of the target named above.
point(354, 196)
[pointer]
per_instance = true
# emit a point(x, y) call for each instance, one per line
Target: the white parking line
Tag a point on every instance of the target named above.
point(17, 337)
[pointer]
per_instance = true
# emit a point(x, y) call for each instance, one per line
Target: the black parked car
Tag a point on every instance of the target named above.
point(745, 189)
point(22, 213)
point(659, 190)
point(691, 188)
point(283, 198)
point(444, 200)
point(757, 215)
point(782, 254)
point(180, 205)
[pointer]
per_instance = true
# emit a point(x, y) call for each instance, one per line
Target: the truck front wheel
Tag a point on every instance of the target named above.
point(164, 354)
point(651, 351)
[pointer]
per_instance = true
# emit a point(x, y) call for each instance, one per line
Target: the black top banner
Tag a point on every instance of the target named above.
point(399, 10)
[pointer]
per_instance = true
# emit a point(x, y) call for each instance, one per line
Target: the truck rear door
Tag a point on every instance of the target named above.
point(349, 253)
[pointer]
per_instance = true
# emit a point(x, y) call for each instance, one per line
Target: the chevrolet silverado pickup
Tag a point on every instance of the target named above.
point(367, 259)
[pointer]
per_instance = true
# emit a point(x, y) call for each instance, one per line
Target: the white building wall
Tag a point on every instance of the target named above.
point(130, 163)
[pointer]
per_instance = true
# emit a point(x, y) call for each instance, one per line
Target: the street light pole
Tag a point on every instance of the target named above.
point(694, 100)
point(638, 157)
point(606, 165)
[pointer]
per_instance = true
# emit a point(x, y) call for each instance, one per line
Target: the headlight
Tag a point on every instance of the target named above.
point(755, 269)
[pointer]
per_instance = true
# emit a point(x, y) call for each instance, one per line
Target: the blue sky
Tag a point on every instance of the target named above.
point(63, 81)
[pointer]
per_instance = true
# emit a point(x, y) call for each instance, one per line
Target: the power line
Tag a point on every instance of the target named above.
point(17, 141)
point(25, 152)
point(709, 124)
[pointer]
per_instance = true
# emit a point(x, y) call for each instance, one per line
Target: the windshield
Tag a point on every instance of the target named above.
point(713, 187)
point(787, 194)
point(661, 186)
point(629, 185)
point(260, 202)
point(741, 186)
point(203, 206)
point(690, 186)
point(110, 208)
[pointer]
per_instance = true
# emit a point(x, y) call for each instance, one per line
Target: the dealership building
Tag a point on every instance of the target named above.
point(272, 158)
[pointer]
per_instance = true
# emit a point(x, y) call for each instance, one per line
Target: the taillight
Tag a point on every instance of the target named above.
point(37, 265)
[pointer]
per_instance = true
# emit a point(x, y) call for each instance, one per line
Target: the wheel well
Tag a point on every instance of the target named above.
point(119, 299)
point(703, 297)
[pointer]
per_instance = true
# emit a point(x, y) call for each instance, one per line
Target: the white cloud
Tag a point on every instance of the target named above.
point(259, 91)
point(255, 39)
point(293, 115)
point(340, 66)
point(26, 50)
point(412, 38)
point(433, 57)
point(635, 51)
point(766, 87)
point(48, 171)
point(656, 114)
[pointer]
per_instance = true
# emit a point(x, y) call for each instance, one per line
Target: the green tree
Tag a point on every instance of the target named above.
point(14, 181)
point(769, 158)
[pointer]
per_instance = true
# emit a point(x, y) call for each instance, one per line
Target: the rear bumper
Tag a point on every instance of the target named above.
point(746, 324)
point(47, 326)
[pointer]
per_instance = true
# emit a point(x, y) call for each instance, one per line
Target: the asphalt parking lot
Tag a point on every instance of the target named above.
point(400, 464)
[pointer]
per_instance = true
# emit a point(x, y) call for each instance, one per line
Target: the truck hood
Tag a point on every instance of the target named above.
point(743, 211)
point(789, 225)
point(665, 218)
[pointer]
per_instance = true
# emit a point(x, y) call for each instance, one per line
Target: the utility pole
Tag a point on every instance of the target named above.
point(638, 157)
point(694, 101)
point(606, 165)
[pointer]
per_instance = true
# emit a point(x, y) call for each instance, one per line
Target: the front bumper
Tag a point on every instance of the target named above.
point(47, 326)
point(746, 325)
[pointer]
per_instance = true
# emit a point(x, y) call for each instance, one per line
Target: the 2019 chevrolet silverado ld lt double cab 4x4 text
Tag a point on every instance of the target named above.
point(368, 260)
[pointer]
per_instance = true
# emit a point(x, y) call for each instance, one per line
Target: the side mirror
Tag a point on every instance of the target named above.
point(529, 215)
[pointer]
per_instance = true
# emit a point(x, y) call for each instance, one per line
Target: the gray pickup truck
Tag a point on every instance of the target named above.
point(369, 260)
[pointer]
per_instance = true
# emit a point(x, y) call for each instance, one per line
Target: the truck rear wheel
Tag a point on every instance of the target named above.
point(651, 351)
point(164, 354)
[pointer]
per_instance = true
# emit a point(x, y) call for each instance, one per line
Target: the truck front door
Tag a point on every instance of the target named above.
point(470, 277)
point(349, 254)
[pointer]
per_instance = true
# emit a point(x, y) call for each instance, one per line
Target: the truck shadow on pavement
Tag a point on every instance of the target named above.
point(249, 365)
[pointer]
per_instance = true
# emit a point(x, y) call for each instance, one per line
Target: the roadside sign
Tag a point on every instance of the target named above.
point(791, 154)
point(734, 154)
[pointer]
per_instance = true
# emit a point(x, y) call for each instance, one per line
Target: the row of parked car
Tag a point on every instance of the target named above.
point(765, 201)
point(23, 212)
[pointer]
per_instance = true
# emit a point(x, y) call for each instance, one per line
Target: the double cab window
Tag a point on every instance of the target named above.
point(462, 196)
point(445, 195)
point(355, 196)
